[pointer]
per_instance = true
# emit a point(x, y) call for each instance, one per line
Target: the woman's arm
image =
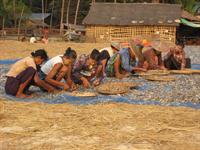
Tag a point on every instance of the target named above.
point(52, 74)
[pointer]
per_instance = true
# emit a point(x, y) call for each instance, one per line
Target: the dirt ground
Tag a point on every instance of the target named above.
point(108, 126)
point(16, 49)
point(102, 126)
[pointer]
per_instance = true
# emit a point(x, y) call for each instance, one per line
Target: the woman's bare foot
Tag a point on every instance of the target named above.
point(29, 92)
point(119, 76)
point(24, 96)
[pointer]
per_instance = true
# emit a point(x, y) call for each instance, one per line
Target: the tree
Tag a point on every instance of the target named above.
point(76, 15)
point(62, 15)
point(67, 15)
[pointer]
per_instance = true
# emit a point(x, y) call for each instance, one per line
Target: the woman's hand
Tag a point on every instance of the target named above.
point(65, 87)
point(96, 82)
point(86, 83)
point(73, 87)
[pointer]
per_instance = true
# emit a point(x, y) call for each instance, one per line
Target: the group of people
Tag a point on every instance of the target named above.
point(67, 71)
point(43, 39)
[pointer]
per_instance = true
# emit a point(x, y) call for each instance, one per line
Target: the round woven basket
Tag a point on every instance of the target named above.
point(154, 72)
point(158, 72)
point(185, 71)
point(83, 94)
point(160, 78)
point(114, 88)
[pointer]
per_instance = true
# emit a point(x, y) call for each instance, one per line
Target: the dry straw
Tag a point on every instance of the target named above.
point(97, 127)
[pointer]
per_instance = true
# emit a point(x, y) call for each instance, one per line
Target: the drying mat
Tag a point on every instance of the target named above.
point(160, 78)
point(114, 88)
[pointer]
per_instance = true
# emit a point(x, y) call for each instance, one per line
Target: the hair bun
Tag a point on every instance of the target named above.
point(33, 54)
point(69, 49)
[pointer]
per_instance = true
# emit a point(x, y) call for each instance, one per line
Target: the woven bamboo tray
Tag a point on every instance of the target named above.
point(114, 88)
point(83, 94)
point(160, 78)
point(154, 72)
point(185, 71)
point(158, 72)
point(79, 93)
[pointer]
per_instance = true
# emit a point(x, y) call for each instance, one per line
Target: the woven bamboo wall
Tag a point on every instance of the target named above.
point(123, 33)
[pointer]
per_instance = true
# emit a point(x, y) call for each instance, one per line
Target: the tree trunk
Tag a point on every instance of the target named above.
point(52, 12)
point(3, 27)
point(115, 1)
point(43, 14)
point(46, 6)
point(67, 16)
point(14, 13)
point(77, 9)
point(62, 14)
point(155, 1)
point(19, 25)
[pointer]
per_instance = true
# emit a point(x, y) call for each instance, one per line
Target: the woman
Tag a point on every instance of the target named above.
point(23, 72)
point(120, 64)
point(58, 68)
point(175, 58)
point(153, 55)
point(84, 70)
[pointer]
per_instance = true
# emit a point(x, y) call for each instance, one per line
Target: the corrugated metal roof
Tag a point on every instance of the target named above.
point(39, 16)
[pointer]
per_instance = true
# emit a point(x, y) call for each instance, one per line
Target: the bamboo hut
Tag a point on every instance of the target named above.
point(107, 22)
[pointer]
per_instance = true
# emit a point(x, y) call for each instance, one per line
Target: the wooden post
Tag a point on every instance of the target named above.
point(19, 25)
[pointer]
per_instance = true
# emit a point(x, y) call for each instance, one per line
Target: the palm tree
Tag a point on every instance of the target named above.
point(68, 7)
point(155, 1)
point(76, 15)
point(52, 12)
point(62, 15)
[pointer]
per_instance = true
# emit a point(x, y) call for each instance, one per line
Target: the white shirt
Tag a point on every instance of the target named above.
point(109, 50)
point(33, 40)
point(48, 66)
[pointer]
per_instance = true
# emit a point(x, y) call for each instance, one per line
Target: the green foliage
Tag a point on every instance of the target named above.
point(9, 11)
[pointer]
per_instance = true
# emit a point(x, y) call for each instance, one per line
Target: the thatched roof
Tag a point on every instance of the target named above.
point(133, 14)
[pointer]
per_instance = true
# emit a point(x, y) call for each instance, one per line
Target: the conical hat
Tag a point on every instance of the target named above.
point(162, 46)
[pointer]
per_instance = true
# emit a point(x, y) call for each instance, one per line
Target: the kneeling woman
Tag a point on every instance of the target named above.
point(23, 73)
point(58, 68)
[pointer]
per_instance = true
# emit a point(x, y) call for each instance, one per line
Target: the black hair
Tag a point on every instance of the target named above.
point(181, 44)
point(95, 55)
point(70, 53)
point(40, 52)
point(104, 55)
